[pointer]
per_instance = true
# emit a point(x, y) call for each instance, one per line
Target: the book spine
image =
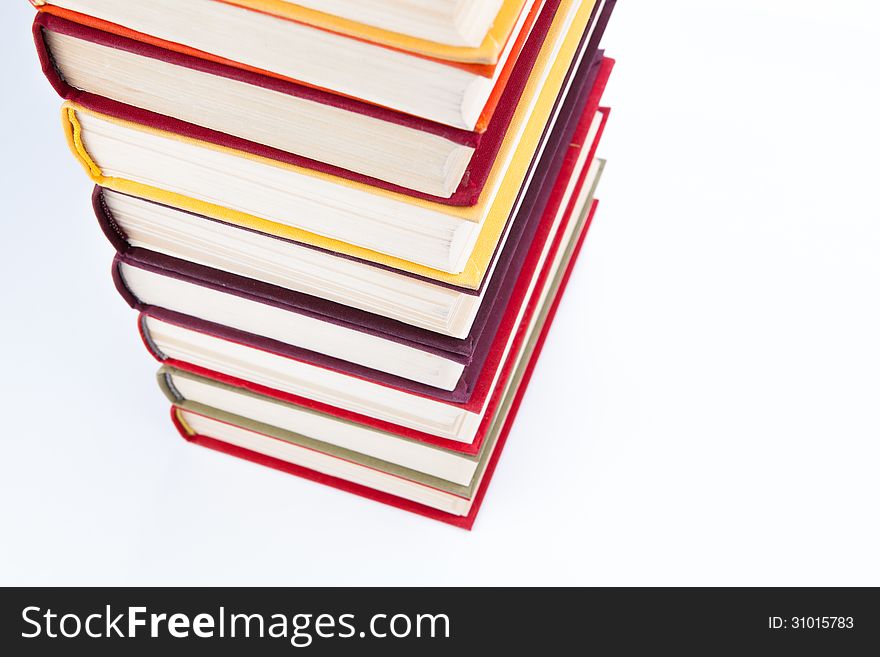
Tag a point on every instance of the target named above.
point(147, 339)
point(73, 134)
point(182, 427)
point(114, 234)
point(47, 62)
point(121, 286)
point(166, 385)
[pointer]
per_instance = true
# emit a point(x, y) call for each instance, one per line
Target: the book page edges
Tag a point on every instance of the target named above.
point(487, 53)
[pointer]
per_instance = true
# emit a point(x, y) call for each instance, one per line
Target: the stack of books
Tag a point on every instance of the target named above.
point(345, 224)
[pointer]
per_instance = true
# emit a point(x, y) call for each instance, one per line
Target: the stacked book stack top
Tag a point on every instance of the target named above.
point(345, 225)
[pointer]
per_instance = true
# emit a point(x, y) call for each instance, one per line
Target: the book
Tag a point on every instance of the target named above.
point(462, 23)
point(303, 205)
point(361, 393)
point(311, 428)
point(439, 89)
point(373, 478)
point(130, 222)
point(315, 13)
point(315, 129)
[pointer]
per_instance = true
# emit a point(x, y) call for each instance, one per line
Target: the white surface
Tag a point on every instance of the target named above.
point(705, 412)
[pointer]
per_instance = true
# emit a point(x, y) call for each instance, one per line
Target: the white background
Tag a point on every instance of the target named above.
point(706, 411)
